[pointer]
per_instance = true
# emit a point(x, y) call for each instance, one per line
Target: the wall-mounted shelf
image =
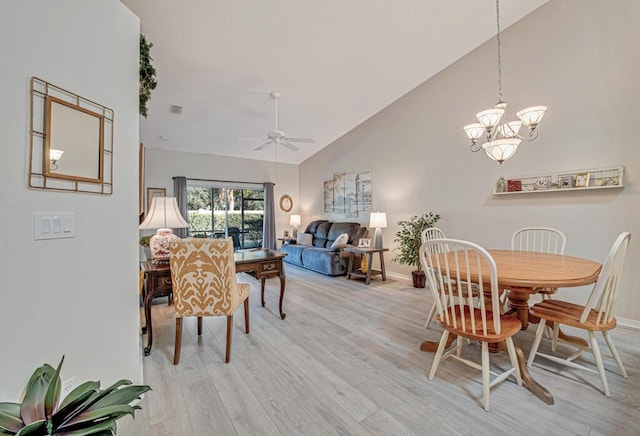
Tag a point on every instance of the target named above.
point(565, 181)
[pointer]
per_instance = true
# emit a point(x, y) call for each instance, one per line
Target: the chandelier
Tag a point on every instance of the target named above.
point(502, 137)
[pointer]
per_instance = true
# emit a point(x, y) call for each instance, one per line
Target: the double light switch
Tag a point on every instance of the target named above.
point(54, 225)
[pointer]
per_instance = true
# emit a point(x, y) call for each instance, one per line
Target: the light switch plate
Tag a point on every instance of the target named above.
point(47, 225)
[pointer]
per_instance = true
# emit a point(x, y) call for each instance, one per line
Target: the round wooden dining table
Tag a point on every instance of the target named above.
point(522, 274)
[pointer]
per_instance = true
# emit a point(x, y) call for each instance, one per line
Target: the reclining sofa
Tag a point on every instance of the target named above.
point(319, 256)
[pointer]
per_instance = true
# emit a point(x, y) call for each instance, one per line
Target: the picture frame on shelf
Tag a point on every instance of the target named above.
point(565, 181)
point(286, 234)
point(154, 192)
point(364, 243)
point(542, 183)
point(582, 180)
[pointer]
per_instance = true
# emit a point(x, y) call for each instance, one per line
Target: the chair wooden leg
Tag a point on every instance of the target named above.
point(554, 340)
point(614, 353)
point(598, 357)
point(438, 356)
point(511, 349)
point(178, 343)
point(536, 341)
point(432, 312)
point(227, 355)
point(246, 315)
point(199, 326)
point(486, 380)
point(459, 346)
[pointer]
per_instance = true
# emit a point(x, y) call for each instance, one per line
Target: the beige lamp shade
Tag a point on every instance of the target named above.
point(490, 117)
point(378, 220)
point(163, 215)
point(531, 116)
point(295, 220)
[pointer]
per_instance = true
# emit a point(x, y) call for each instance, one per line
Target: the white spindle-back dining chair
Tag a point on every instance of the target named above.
point(597, 314)
point(452, 286)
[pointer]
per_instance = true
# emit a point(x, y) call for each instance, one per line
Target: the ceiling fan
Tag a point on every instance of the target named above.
point(276, 136)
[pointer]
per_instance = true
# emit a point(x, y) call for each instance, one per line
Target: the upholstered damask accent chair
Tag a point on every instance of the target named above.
point(203, 276)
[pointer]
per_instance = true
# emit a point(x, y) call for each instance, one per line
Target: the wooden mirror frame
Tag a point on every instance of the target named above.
point(286, 203)
point(82, 129)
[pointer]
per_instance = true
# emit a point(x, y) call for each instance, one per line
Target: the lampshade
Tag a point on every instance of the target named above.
point(163, 215)
point(295, 220)
point(531, 116)
point(490, 117)
point(55, 155)
point(510, 130)
point(501, 149)
point(378, 220)
point(474, 131)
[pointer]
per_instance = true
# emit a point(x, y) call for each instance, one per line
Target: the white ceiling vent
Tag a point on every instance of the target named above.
point(175, 109)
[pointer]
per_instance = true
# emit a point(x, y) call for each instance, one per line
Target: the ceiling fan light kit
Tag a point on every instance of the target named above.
point(277, 136)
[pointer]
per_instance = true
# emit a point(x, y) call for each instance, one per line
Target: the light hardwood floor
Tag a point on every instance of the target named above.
point(346, 361)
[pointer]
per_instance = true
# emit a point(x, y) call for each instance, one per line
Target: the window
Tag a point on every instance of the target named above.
point(227, 211)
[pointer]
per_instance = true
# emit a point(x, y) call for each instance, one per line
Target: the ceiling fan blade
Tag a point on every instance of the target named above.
point(303, 140)
point(260, 147)
point(289, 146)
point(253, 139)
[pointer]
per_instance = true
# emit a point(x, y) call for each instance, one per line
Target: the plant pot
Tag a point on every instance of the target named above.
point(419, 279)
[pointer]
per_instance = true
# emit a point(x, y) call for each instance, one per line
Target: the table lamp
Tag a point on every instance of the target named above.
point(295, 222)
point(378, 221)
point(163, 215)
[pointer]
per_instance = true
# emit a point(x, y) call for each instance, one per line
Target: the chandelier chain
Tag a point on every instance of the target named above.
point(499, 56)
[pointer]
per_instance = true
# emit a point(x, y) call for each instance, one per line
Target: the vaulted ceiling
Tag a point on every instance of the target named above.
point(335, 63)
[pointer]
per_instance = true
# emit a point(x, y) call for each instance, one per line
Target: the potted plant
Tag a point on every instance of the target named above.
point(409, 240)
point(86, 410)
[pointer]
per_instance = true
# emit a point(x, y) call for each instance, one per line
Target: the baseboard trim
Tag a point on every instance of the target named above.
point(398, 276)
point(631, 323)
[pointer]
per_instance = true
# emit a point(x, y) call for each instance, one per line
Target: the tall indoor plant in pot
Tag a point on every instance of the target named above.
point(408, 238)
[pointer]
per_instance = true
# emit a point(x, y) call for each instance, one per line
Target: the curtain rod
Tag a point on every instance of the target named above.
point(224, 181)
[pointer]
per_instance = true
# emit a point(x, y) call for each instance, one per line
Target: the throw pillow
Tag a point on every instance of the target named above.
point(304, 239)
point(340, 242)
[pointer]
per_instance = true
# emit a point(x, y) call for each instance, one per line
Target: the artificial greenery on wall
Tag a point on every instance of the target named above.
point(147, 74)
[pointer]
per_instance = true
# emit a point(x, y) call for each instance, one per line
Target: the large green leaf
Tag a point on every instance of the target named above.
point(32, 408)
point(107, 428)
point(52, 396)
point(10, 421)
point(110, 412)
point(37, 428)
point(80, 394)
point(124, 395)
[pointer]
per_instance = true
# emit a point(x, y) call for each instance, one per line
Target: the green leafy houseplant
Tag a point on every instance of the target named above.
point(408, 238)
point(87, 410)
point(147, 75)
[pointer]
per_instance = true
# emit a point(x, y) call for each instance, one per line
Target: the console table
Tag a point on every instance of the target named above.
point(259, 263)
point(354, 271)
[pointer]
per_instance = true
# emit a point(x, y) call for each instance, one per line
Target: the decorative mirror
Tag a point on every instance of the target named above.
point(286, 203)
point(71, 141)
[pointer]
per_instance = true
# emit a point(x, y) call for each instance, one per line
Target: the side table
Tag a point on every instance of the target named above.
point(355, 271)
point(287, 241)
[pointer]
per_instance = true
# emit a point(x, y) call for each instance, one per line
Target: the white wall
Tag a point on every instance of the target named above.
point(162, 165)
point(77, 297)
point(582, 59)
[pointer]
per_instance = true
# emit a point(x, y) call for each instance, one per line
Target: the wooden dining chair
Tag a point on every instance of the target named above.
point(203, 276)
point(451, 276)
point(541, 240)
point(428, 235)
point(597, 314)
